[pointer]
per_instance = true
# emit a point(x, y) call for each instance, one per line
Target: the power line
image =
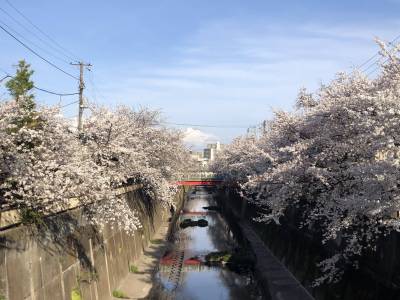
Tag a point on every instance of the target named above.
point(67, 53)
point(369, 66)
point(55, 93)
point(28, 41)
point(5, 77)
point(37, 54)
point(377, 53)
point(96, 91)
point(195, 125)
point(204, 125)
point(94, 88)
point(37, 36)
point(68, 104)
point(40, 89)
point(377, 67)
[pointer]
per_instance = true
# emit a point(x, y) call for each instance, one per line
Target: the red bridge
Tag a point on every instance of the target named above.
point(199, 178)
point(198, 182)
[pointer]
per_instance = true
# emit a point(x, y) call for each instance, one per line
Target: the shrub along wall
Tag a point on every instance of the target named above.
point(66, 258)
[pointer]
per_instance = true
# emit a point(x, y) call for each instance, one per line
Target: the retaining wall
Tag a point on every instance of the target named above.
point(67, 254)
point(301, 250)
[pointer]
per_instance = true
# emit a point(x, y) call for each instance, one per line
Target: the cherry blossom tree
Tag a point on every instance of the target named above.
point(130, 147)
point(40, 168)
point(242, 158)
point(44, 164)
point(334, 162)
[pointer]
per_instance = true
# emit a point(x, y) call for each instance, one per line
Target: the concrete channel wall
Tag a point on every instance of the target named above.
point(67, 256)
point(276, 281)
point(300, 251)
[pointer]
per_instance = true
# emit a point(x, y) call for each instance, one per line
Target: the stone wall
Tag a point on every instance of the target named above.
point(67, 256)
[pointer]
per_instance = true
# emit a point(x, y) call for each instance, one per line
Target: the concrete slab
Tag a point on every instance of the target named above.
point(280, 283)
point(138, 285)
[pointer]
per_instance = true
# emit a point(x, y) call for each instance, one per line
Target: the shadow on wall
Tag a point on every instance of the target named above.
point(64, 253)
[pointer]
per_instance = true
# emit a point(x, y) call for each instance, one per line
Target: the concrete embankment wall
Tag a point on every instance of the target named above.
point(66, 254)
point(277, 282)
point(301, 250)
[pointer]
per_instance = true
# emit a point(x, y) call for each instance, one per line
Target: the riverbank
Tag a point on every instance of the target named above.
point(278, 282)
point(139, 282)
point(68, 258)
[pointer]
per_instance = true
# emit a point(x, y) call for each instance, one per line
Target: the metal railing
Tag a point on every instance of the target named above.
point(198, 176)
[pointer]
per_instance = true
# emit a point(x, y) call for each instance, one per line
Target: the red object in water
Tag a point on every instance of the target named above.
point(192, 261)
point(200, 213)
point(199, 182)
point(167, 259)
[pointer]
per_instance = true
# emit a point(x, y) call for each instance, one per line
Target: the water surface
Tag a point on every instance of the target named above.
point(182, 275)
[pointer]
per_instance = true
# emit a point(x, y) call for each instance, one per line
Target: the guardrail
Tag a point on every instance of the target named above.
point(198, 176)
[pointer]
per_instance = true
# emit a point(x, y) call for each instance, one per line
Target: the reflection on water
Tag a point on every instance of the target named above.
point(182, 275)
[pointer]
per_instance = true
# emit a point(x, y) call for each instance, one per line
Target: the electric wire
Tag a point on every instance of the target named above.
point(205, 125)
point(37, 36)
point(193, 125)
point(369, 66)
point(377, 53)
point(41, 89)
point(28, 41)
point(94, 89)
point(68, 104)
point(67, 52)
point(37, 54)
point(55, 93)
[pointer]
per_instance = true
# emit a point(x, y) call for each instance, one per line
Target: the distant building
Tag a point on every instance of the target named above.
point(209, 154)
point(217, 146)
point(198, 157)
point(212, 149)
point(202, 158)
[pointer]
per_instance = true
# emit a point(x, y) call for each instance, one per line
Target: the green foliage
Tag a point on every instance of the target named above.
point(2, 297)
point(20, 86)
point(29, 216)
point(219, 256)
point(76, 294)
point(156, 241)
point(240, 260)
point(28, 120)
point(133, 269)
point(119, 294)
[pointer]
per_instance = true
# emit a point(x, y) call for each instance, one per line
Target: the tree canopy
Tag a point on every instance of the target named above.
point(20, 86)
point(334, 161)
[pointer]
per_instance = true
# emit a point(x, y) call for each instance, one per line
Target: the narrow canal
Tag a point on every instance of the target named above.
point(185, 271)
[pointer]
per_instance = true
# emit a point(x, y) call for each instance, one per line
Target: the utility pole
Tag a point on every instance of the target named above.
point(264, 127)
point(81, 88)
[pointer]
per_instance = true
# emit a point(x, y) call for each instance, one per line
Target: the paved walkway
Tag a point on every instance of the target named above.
point(138, 286)
point(280, 283)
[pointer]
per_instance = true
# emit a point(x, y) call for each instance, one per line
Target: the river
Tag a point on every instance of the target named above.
point(182, 273)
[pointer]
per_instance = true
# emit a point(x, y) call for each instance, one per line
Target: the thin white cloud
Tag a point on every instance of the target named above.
point(197, 139)
point(232, 74)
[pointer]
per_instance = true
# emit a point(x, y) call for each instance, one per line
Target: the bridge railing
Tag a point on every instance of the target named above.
point(198, 176)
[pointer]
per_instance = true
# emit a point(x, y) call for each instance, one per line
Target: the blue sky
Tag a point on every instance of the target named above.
point(227, 63)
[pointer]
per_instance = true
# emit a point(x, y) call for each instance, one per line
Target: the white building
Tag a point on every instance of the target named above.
point(199, 158)
point(211, 151)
